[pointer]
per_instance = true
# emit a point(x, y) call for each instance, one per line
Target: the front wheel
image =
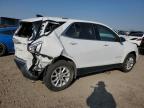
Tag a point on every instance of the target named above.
point(59, 75)
point(128, 63)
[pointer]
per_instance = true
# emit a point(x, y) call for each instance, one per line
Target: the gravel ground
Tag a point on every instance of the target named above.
point(111, 89)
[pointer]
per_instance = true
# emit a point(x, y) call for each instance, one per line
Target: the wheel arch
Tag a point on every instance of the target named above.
point(132, 52)
point(61, 57)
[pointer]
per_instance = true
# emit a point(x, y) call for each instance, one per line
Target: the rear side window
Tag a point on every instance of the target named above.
point(52, 26)
point(81, 31)
point(71, 32)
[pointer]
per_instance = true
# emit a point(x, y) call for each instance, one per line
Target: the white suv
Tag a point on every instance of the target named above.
point(60, 49)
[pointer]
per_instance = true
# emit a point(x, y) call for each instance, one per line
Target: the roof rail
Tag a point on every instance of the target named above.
point(38, 15)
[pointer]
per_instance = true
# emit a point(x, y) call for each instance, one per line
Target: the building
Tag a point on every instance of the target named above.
point(4, 21)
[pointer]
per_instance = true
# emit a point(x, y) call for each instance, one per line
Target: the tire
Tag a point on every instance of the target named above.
point(2, 49)
point(128, 63)
point(59, 75)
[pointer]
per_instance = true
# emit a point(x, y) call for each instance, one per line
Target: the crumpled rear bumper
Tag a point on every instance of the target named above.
point(23, 68)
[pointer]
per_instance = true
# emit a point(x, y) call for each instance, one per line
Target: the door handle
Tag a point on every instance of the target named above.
point(73, 43)
point(106, 45)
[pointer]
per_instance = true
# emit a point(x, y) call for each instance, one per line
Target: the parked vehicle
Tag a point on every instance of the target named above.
point(137, 38)
point(120, 32)
point(60, 49)
point(6, 43)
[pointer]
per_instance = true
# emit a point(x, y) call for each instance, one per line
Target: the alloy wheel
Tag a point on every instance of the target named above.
point(60, 76)
point(129, 63)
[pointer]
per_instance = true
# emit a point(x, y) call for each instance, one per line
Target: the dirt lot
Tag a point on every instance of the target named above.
point(112, 89)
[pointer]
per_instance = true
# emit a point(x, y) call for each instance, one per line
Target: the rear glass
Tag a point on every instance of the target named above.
point(25, 30)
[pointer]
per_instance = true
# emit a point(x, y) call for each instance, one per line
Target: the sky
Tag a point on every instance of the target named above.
point(118, 14)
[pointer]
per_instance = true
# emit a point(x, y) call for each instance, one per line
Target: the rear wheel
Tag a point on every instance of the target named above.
point(59, 75)
point(128, 63)
point(2, 49)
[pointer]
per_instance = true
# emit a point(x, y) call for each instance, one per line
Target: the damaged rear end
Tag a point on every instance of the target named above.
point(36, 45)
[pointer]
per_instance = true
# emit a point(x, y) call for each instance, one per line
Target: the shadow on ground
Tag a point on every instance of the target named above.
point(100, 97)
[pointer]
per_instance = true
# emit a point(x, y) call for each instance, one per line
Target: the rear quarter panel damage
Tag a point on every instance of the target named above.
point(50, 46)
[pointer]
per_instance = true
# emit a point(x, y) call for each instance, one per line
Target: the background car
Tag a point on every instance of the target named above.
point(6, 43)
point(120, 32)
point(137, 37)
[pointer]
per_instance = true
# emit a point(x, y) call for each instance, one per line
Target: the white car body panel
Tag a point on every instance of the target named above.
point(84, 53)
point(129, 47)
point(50, 46)
point(22, 52)
point(87, 53)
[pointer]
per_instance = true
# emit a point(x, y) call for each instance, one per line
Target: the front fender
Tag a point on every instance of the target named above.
point(129, 48)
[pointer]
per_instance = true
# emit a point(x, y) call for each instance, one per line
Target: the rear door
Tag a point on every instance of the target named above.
point(82, 43)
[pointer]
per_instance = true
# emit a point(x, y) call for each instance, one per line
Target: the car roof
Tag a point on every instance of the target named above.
point(45, 18)
point(60, 19)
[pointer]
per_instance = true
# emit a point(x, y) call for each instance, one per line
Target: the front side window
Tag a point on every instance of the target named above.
point(81, 31)
point(106, 34)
